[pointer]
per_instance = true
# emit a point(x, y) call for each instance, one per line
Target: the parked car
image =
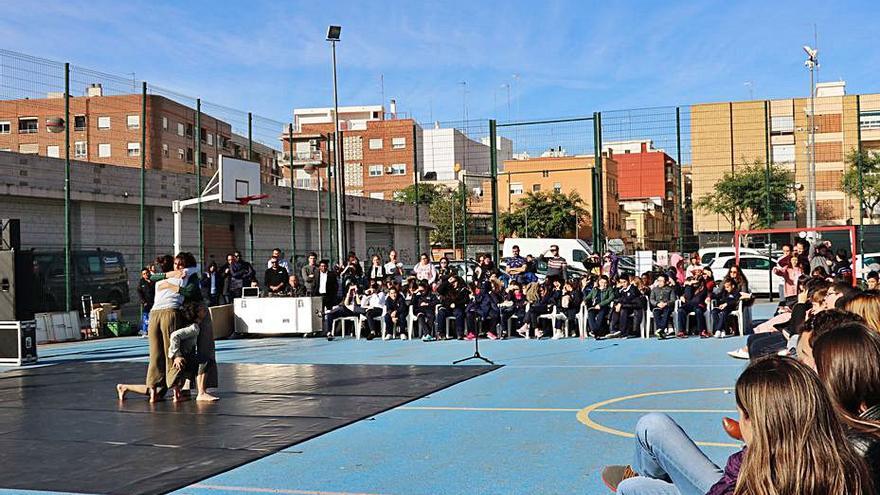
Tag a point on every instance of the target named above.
point(758, 270)
point(98, 273)
point(708, 255)
point(871, 263)
point(575, 251)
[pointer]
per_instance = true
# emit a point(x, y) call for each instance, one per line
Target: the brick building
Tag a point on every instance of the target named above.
point(107, 129)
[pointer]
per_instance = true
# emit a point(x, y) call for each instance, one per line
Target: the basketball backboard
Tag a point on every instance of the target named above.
point(238, 179)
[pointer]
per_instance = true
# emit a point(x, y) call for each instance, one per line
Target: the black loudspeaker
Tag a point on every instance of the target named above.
point(10, 234)
point(16, 286)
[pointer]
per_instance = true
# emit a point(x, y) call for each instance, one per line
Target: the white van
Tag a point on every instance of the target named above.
point(575, 251)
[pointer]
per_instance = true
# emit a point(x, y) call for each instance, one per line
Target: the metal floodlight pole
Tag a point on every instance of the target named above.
point(493, 158)
point(250, 214)
point(416, 187)
point(143, 175)
point(198, 159)
point(600, 182)
point(292, 195)
point(679, 182)
point(318, 204)
point(68, 293)
point(340, 176)
point(811, 63)
point(464, 219)
point(330, 201)
point(597, 157)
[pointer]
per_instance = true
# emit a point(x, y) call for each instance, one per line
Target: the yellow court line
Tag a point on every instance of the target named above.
point(247, 489)
point(584, 414)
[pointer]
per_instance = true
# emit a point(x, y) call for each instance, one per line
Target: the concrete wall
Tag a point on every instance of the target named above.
point(105, 213)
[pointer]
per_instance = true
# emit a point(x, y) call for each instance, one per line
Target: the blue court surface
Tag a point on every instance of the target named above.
point(544, 423)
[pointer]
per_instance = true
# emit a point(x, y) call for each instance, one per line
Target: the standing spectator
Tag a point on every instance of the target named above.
point(326, 285)
point(377, 270)
point(790, 275)
point(662, 300)
point(394, 267)
point(694, 268)
point(146, 291)
point(226, 279)
point(424, 269)
point(556, 265)
point(295, 288)
point(609, 267)
point(279, 255)
point(516, 266)
point(236, 276)
point(309, 274)
point(275, 278)
point(212, 284)
point(599, 301)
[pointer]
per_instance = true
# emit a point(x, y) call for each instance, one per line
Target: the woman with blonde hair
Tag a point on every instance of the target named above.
point(866, 305)
point(795, 444)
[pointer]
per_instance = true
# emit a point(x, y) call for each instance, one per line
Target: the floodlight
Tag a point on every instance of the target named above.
point(333, 33)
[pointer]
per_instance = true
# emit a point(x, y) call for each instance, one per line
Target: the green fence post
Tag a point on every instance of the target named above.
point(493, 159)
point(416, 187)
point(250, 214)
point(68, 295)
point(679, 181)
point(597, 158)
point(143, 175)
point(292, 195)
point(330, 224)
point(769, 214)
point(861, 179)
point(198, 159)
point(464, 223)
point(600, 183)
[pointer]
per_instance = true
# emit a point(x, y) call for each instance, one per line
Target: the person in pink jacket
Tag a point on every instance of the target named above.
point(790, 275)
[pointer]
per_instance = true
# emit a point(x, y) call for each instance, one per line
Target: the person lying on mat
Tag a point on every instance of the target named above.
point(182, 350)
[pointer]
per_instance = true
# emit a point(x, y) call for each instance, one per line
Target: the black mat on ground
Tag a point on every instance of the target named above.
point(62, 429)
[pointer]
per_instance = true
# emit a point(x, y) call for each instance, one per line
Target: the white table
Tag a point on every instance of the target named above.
point(278, 315)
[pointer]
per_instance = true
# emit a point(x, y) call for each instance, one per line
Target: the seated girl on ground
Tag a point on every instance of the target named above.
point(795, 444)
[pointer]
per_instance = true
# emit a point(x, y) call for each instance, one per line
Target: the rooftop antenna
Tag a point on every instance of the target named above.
point(382, 90)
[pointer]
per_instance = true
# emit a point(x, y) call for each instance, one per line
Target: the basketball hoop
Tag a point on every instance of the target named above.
point(244, 200)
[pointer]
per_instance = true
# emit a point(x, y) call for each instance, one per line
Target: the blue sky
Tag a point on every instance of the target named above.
point(570, 58)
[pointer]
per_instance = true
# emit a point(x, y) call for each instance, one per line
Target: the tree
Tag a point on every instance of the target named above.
point(742, 197)
point(440, 201)
point(548, 214)
point(869, 162)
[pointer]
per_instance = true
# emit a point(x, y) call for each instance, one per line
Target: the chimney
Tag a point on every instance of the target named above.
point(644, 147)
point(95, 90)
point(393, 108)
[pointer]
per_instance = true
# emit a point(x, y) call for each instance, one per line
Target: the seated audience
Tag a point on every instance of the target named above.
point(662, 302)
point(482, 311)
point(599, 302)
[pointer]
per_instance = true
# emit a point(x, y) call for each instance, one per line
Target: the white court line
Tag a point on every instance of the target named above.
point(555, 409)
point(247, 489)
point(622, 365)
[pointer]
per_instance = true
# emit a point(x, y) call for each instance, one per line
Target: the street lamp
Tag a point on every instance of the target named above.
point(812, 63)
point(333, 33)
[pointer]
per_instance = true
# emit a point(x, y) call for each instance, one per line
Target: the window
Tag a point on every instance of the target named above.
point(210, 139)
point(516, 188)
point(5, 127)
point(377, 195)
point(398, 143)
point(30, 149)
point(783, 124)
point(867, 120)
point(210, 162)
point(557, 187)
point(180, 129)
point(5, 149)
point(103, 122)
point(53, 152)
point(134, 149)
point(180, 154)
point(203, 158)
point(398, 169)
point(189, 155)
point(27, 125)
point(189, 130)
point(783, 153)
point(164, 123)
point(80, 149)
point(375, 170)
point(165, 150)
point(133, 121)
point(536, 187)
point(578, 255)
point(104, 150)
point(203, 135)
point(376, 144)
point(79, 123)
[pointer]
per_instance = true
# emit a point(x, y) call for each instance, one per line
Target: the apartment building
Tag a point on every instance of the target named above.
point(563, 174)
point(107, 129)
point(724, 136)
point(648, 191)
point(378, 152)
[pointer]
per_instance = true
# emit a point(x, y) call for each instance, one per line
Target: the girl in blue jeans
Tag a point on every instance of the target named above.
point(796, 445)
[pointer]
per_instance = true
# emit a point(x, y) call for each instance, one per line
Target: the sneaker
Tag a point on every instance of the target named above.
point(491, 336)
point(705, 334)
point(470, 336)
point(387, 336)
point(614, 475)
point(370, 336)
point(329, 336)
point(539, 334)
point(719, 334)
point(404, 336)
point(614, 334)
point(682, 335)
point(523, 331)
point(428, 338)
point(670, 332)
point(557, 335)
point(739, 354)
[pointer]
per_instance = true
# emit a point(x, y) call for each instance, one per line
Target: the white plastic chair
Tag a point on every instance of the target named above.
point(553, 316)
point(355, 320)
point(738, 312)
point(687, 320)
point(648, 323)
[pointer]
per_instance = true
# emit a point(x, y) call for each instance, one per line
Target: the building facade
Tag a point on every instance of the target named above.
point(725, 136)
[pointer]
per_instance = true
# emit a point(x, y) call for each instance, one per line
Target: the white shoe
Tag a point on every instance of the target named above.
point(387, 336)
point(556, 335)
point(403, 336)
point(739, 354)
point(719, 334)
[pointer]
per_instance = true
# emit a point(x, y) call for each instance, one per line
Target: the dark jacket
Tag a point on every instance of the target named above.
point(598, 297)
point(518, 304)
point(483, 304)
point(424, 303)
point(727, 483)
point(662, 294)
point(630, 298)
point(868, 445)
point(574, 300)
point(308, 274)
point(275, 277)
point(377, 273)
point(729, 298)
point(398, 305)
point(146, 291)
point(695, 295)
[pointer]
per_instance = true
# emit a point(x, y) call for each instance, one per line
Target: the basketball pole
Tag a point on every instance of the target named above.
point(250, 213)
